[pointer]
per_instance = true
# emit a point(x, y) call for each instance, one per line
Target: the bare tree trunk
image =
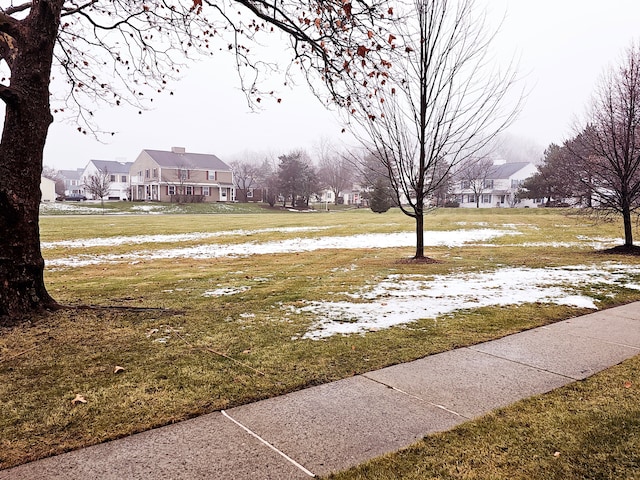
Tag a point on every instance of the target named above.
point(419, 235)
point(628, 226)
point(27, 121)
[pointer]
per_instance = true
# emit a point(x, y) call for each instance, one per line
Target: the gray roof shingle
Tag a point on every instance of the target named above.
point(505, 170)
point(112, 166)
point(193, 161)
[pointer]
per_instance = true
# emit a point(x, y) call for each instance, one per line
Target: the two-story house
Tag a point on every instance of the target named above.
point(72, 181)
point(117, 175)
point(498, 187)
point(181, 176)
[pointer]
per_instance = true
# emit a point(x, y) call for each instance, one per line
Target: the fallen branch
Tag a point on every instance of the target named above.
point(18, 354)
point(218, 353)
point(123, 308)
point(232, 359)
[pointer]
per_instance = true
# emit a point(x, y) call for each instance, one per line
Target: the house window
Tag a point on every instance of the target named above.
point(466, 184)
point(146, 173)
point(189, 190)
point(205, 191)
point(183, 174)
point(212, 175)
point(112, 178)
point(486, 198)
point(123, 179)
point(250, 193)
point(223, 194)
point(171, 189)
point(155, 173)
point(488, 183)
point(516, 183)
point(472, 199)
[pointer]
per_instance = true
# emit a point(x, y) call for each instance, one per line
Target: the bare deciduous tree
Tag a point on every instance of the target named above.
point(474, 175)
point(445, 109)
point(98, 185)
point(613, 137)
point(120, 51)
point(336, 172)
point(53, 174)
point(246, 177)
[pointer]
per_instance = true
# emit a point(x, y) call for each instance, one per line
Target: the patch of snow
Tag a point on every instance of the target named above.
point(293, 245)
point(147, 208)
point(69, 208)
point(168, 238)
point(401, 299)
point(226, 291)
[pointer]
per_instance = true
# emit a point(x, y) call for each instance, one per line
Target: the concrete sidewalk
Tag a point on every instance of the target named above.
point(341, 424)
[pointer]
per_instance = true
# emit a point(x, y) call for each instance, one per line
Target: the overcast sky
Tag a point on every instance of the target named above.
point(562, 45)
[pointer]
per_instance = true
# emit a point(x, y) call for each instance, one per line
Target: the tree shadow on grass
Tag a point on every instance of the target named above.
point(417, 261)
point(36, 316)
point(633, 250)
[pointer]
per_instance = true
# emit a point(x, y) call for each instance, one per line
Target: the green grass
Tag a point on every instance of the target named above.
point(171, 352)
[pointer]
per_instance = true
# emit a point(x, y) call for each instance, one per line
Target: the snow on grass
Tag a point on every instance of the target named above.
point(224, 291)
point(293, 245)
point(50, 207)
point(168, 238)
point(401, 299)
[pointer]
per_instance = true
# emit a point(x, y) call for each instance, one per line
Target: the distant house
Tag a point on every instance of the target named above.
point(72, 181)
point(355, 194)
point(118, 176)
point(48, 189)
point(181, 176)
point(498, 188)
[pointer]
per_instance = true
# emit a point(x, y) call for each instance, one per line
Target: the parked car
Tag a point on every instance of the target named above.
point(75, 198)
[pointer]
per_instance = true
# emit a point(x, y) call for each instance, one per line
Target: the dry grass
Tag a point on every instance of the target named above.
point(204, 353)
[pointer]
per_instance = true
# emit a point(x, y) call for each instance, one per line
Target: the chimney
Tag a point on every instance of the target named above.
point(178, 150)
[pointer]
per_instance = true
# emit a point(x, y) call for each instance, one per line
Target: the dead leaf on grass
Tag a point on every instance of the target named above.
point(627, 384)
point(79, 399)
point(118, 369)
point(556, 454)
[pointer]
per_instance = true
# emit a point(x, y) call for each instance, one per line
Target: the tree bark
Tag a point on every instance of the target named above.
point(628, 226)
point(419, 235)
point(27, 121)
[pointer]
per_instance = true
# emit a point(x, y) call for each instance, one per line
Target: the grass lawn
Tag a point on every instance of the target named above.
point(222, 312)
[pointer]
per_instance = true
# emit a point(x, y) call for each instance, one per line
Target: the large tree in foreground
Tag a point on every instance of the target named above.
point(613, 140)
point(120, 51)
point(445, 107)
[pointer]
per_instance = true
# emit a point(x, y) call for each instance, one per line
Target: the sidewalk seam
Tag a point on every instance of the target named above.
point(262, 440)
point(422, 400)
point(617, 344)
point(568, 377)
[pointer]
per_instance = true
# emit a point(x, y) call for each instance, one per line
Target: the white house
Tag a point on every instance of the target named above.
point(118, 176)
point(498, 188)
point(72, 181)
point(48, 189)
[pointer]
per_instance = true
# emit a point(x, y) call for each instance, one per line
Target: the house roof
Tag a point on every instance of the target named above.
point(187, 160)
point(112, 166)
point(505, 170)
point(71, 174)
